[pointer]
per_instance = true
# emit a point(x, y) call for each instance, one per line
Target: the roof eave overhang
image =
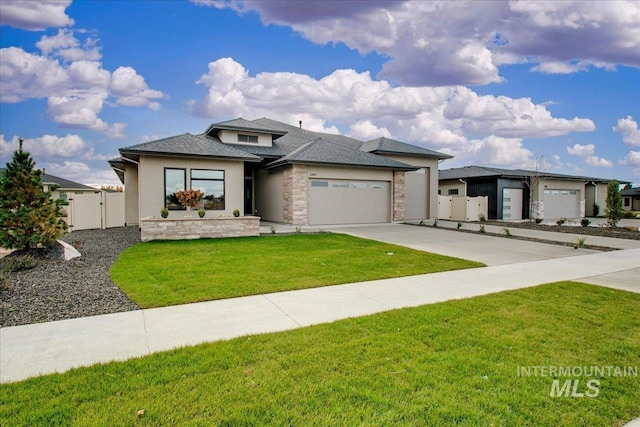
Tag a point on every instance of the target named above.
point(398, 153)
point(278, 164)
point(130, 154)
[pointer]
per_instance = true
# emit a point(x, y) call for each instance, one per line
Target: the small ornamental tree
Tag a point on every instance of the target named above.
point(190, 198)
point(28, 216)
point(613, 208)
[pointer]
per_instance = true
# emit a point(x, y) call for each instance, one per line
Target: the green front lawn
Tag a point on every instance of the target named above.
point(157, 274)
point(453, 363)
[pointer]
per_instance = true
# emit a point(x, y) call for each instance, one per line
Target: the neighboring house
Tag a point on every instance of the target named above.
point(281, 173)
point(631, 199)
point(64, 186)
point(553, 196)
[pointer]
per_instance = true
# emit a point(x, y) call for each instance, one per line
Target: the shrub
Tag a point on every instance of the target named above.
point(189, 198)
point(236, 213)
point(459, 226)
point(507, 232)
point(629, 215)
point(482, 230)
point(201, 212)
point(538, 220)
point(585, 222)
point(561, 221)
point(164, 212)
point(596, 209)
point(482, 218)
point(614, 209)
point(435, 223)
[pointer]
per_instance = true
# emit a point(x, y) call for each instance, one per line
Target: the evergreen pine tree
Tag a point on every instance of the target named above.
point(614, 209)
point(28, 216)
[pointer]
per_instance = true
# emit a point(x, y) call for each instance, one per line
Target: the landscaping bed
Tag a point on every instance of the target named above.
point(618, 232)
point(56, 289)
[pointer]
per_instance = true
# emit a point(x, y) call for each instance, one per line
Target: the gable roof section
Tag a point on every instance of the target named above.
point(189, 145)
point(321, 151)
point(385, 145)
point(489, 172)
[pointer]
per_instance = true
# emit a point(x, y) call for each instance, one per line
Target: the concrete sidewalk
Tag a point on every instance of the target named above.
point(31, 350)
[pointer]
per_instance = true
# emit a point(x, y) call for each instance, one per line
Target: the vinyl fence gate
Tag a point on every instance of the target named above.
point(95, 210)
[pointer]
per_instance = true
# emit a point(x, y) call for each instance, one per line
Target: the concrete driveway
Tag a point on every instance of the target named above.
point(490, 250)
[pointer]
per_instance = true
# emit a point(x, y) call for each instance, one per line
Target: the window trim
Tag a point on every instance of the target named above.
point(248, 138)
point(184, 176)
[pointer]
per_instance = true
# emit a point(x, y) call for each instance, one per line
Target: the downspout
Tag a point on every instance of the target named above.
point(465, 186)
point(595, 196)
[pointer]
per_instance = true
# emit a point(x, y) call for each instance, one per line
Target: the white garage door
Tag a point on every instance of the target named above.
point(561, 204)
point(348, 201)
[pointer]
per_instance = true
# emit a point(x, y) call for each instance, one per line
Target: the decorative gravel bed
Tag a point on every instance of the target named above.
point(619, 232)
point(56, 289)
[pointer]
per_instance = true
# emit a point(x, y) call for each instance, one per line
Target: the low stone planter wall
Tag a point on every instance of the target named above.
point(198, 228)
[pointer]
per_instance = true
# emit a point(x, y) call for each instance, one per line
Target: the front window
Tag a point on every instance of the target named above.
point(453, 192)
point(174, 181)
point(211, 183)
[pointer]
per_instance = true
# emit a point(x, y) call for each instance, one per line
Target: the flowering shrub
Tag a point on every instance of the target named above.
point(189, 198)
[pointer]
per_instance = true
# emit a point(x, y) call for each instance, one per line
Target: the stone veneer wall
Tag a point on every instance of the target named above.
point(198, 228)
point(294, 195)
point(398, 195)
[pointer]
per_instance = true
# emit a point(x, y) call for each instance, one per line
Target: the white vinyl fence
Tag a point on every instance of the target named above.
point(462, 208)
point(95, 210)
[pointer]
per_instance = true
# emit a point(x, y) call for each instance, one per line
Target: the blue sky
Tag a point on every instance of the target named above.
point(553, 85)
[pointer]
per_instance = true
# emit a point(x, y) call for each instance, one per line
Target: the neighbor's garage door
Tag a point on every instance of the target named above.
point(349, 202)
point(561, 204)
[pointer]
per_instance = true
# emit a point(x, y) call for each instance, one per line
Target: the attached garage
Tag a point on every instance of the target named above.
point(334, 201)
point(561, 204)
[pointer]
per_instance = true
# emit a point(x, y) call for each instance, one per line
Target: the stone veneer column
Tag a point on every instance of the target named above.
point(398, 195)
point(294, 194)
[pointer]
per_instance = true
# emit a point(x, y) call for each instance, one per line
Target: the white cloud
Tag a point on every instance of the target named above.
point(132, 90)
point(631, 159)
point(586, 153)
point(598, 162)
point(35, 15)
point(46, 146)
point(464, 42)
point(81, 112)
point(76, 91)
point(493, 150)
point(365, 130)
point(438, 117)
point(581, 150)
point(65, 45)
point(628, 128)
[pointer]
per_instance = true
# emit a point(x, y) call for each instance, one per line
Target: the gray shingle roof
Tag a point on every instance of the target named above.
point(321, 151)
point(485, 171)
point(246, 125)
point(630, 192)
point(385, 145)
point(190, 145)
